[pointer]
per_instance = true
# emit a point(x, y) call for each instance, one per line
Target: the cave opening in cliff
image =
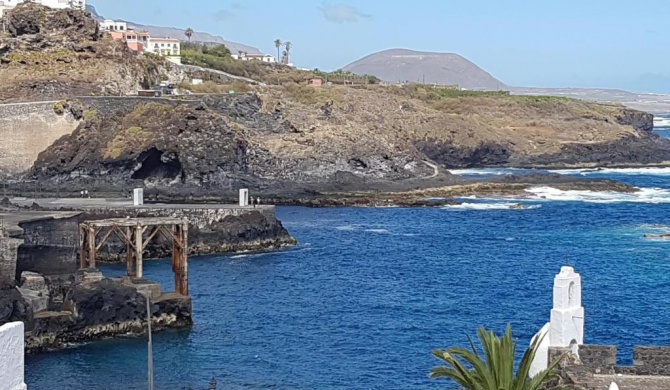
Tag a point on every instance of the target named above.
point(156, 167)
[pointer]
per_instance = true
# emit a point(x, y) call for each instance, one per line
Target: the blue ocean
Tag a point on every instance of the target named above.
point(369, 292)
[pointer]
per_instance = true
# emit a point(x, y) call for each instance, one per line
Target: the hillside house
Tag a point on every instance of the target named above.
point(169, 48)
point(267, 58)
point(77, 4)
point(113, 25)
point(136, 41)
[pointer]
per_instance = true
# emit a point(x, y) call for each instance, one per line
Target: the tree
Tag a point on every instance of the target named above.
point(287, 49)
point(278, 44)
point(189, 33)
point(495, 370)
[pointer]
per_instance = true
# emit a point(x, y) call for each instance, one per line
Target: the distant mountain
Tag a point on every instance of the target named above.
point(401, 65)
point(179, 34)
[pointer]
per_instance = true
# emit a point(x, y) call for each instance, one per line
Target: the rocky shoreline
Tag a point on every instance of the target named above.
point(59, 311)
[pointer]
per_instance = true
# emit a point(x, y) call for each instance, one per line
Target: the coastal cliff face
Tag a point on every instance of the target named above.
point(305, 139)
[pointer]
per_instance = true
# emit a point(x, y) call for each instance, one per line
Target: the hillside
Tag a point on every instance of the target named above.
point(49, 54)
point(401, 65)
point(177, 33)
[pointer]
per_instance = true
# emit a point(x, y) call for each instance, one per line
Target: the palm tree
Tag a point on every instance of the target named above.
point(189, 33)
point(288, 45)
point(494, 370)
point(278, 44)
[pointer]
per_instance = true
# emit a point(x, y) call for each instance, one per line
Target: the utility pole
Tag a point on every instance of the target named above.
point(150, 347)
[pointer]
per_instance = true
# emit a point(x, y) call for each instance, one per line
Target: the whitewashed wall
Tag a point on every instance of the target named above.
point(11, 356)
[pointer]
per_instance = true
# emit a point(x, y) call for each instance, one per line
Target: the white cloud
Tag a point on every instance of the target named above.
point(342, 13)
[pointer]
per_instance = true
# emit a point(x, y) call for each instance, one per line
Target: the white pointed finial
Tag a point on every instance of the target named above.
point(614, 386)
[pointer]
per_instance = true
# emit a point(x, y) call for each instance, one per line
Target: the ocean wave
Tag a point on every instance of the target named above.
point(379, 231)
point(490, 206)
point(644, 195)
point(642, 171)
point(651, 171)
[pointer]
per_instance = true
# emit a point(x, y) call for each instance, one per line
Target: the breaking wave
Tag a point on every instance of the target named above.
point(644, 195)
point(490, 206)
point(651, 171)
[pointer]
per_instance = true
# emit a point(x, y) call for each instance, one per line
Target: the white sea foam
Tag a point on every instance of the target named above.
point(379, 231)
point(347, 228)
point(644, 195)
point(489, 206)
point(651, 171)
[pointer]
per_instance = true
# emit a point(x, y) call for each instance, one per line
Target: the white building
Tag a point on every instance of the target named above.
point(113, 25)
point(170, 48)
point(78, 4)
point(267, 58)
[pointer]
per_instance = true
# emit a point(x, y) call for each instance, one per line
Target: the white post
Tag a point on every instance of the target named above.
point(12, 364)
point(244, 197)
point(138, 197)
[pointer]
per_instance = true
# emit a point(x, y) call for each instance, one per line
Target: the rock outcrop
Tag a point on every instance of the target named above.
point(50, 54)
point(90, 308)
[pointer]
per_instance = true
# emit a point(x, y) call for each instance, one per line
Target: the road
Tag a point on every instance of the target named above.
point(436, 170)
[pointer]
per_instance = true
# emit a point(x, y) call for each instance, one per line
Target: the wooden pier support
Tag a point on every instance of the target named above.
point(132, 233)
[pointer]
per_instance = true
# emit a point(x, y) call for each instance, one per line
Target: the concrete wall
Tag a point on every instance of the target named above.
point(50, 247)
point(26, 129)
point(8, 255)
point(12, 356)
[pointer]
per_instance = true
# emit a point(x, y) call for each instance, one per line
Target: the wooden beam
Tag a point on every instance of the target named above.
point(184, 258)
point(129, 250)
point(91, 247)
point(104, 239)
point(82, 247)
point(151, 236)
point(138, 251)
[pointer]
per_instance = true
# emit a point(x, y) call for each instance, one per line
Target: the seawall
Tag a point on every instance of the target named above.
point(26, 129)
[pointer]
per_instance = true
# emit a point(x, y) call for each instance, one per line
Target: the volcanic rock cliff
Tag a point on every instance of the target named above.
point(339, 139)
point(50, 53)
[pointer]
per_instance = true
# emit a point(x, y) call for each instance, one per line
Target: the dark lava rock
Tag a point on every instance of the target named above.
point(12, 305)
point(33, 19)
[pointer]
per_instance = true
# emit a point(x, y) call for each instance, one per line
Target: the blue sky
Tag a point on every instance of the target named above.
point(547, 43)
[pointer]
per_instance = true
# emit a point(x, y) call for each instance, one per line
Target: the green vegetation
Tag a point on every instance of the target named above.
point(188, 33)
point(90, 115)
point(345, 77)
point(305, 94)
point(495, 369)
point(212, 87)
point(132, 136)
point(60, 106)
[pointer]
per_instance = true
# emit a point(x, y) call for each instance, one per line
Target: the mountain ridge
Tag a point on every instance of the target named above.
point(405, 65)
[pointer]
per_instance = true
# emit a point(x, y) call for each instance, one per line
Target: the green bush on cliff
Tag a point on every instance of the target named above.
point(60, 106)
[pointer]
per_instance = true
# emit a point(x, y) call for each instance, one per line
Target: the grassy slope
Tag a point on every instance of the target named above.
point(398, 116)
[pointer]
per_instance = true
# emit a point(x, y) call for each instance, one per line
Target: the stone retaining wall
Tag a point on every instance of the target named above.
point(602, 359)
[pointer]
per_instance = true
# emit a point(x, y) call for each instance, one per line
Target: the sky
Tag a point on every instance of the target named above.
point(532, 43)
